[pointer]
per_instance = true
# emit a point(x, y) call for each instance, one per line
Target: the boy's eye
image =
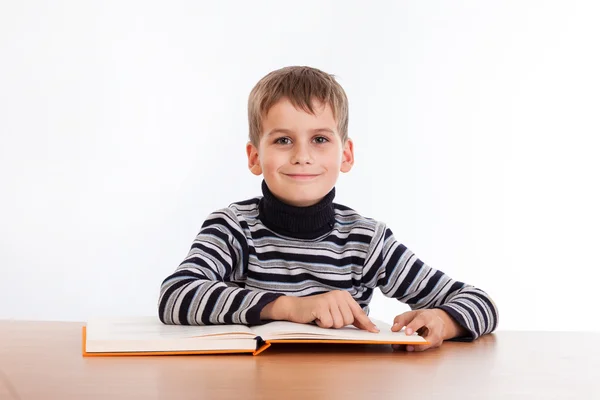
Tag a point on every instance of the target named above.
point(283, 140)
point(321, 139)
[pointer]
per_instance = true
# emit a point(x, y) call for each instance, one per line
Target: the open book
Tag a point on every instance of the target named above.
point(149, 336)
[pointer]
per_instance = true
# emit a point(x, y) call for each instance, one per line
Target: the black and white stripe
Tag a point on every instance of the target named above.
point(236, 266)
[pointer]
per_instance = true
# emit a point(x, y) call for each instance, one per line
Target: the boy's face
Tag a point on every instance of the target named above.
point(299, 154)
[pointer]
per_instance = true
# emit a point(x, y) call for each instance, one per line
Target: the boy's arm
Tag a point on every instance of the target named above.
point(201, 291)
point(401, 275)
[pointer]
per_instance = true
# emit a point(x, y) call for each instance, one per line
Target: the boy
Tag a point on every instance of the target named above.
point(292, 254)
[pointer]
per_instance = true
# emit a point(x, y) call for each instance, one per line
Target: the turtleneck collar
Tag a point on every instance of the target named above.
point(299, 222)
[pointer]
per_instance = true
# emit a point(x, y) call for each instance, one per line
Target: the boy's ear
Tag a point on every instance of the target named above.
point(253, 160)
point(347, 156)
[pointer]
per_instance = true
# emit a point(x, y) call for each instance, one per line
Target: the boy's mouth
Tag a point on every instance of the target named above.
point(302, 177)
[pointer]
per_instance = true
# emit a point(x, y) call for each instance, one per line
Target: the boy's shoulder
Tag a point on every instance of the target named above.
point(235, 213)
point(345, 215)
point(349, 214)
point(245, 208)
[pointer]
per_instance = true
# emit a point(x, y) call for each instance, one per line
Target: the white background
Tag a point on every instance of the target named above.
point(123, 124)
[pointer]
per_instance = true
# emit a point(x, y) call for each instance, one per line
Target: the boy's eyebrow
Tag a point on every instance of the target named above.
point(288, 131)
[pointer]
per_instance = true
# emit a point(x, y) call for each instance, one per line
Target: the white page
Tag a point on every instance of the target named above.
point(289, 330)
point(151, 328)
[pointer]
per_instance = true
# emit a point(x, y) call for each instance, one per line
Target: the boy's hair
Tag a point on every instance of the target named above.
point(301, 85)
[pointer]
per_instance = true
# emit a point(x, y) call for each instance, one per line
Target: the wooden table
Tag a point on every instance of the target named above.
point(42, 360)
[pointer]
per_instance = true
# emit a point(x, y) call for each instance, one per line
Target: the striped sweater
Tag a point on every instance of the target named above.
point(250, 253)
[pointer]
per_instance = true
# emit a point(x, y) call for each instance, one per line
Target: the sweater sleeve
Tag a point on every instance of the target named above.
point(207, 287)
point(401, 275)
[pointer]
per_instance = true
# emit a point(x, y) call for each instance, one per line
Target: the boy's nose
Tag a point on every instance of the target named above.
point(301, 156)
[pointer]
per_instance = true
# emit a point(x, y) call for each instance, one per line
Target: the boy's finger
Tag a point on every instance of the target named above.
point(324, 320)
point(433, 342)
point(402, 320)
point(411, 347)
point(417, 348)
point(416, 324)
point(346, 314)
point(360, 326)
point(336, 316)
point(361, 320)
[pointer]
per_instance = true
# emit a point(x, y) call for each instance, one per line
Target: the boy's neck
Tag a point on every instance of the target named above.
point(299, 222)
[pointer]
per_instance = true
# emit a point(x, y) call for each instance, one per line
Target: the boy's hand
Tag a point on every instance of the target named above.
point(434, 325)
point(334, 309)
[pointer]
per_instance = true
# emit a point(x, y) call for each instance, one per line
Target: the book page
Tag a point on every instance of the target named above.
point(151, 328)
point(284, 330)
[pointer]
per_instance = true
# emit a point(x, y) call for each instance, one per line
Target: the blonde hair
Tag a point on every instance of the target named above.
point(301, 85)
